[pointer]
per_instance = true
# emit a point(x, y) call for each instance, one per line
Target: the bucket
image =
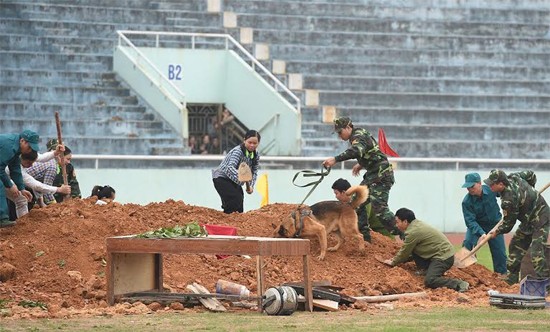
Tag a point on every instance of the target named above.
point(280, 301)
point(533, 286)
point(228, 287)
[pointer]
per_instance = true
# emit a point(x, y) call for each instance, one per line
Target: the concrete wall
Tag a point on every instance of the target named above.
point(434, 196)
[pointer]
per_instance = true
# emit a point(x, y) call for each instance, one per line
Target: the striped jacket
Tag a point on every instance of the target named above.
point(230, 164)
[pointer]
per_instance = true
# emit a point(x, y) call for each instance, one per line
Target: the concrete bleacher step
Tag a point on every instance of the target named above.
point(403, 41)
point(458, 131)
point(332, 24)
point(116, 144)
point(35, 11)
point(188, 5)
point(66, 78)
point(435, 100)
point(52, 60)
point(77, 94)
point(425, 85)
point(442, 148)
point(415, 115)
point(110, 127)
point(427, 57)
point(398, 10)
point(392, 69)
point(97, 111)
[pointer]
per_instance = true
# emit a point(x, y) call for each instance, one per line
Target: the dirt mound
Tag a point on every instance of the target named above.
point(56, 255)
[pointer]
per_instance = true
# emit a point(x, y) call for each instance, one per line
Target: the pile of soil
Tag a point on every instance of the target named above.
point(56, 256)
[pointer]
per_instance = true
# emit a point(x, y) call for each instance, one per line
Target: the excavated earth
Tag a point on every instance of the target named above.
point(56, 256)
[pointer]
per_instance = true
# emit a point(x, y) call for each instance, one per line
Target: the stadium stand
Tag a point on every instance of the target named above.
point(443, 78)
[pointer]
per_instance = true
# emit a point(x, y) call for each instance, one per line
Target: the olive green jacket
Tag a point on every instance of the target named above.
point(424, 241)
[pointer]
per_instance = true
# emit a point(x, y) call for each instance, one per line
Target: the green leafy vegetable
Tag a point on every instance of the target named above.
point(33, 304)
point(192, 229)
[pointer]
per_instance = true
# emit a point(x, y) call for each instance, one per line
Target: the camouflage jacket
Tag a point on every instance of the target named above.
point(520, 201)
point(365, 149)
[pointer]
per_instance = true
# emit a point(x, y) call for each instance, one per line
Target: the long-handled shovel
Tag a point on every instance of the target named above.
point(465, 258)
point(61, 157)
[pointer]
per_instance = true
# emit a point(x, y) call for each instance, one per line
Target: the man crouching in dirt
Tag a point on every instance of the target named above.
point(429, 248)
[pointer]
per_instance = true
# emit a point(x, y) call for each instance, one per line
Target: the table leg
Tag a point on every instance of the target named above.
point(159, 281)
point(308, 292)
point(260, 280)
point(110, 279)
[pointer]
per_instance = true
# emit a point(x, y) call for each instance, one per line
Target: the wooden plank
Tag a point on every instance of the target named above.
point(260, 280)
point(307, 283)
point(325, 304)
point(392, 297)
point(214, 244)
point(209, 303)
point(135, 272)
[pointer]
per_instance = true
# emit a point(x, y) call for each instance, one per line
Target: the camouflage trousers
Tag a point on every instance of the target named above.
point(368, 221)
point(379, 194)
point(534, 242)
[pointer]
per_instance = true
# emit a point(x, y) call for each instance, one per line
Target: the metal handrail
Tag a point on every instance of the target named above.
point(121, 37)
point(227, 38)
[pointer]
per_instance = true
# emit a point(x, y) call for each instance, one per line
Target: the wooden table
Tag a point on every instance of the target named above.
point(135, 264)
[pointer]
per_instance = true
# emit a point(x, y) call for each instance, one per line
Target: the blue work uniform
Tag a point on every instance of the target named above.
point(9, 156)
point(481, 214)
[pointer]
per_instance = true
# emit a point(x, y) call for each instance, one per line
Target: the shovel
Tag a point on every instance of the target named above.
point(465, 258)
point(61, 156)
point(244, 174)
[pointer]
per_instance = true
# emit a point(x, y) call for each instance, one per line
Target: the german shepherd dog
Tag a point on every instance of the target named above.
point(324, 218)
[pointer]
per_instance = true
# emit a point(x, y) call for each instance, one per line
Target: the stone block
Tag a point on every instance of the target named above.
point(246, 35)
point(312, 98)
point(295, 81)
point(278, 67)
point(329, 113)
point(261, 51)
point(229, 20)
point(213, 6)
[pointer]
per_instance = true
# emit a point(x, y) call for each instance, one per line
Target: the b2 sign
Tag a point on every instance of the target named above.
point(175, 72)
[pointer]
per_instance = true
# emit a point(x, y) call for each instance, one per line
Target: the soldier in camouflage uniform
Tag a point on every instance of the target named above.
point(366, 219)
point(378, 176)
point(520, 201)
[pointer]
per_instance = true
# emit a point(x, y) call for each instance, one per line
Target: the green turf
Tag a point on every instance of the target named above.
point(422, 319)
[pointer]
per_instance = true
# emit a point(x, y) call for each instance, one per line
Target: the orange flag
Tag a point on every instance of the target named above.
point(384, 146)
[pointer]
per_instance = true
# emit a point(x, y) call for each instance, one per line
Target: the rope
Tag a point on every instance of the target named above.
point(308, 173)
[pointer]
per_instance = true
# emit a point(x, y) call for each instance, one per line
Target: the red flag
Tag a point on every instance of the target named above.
point(384, 146)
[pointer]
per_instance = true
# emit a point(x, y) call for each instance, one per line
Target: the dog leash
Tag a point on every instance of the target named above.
point(308, 173)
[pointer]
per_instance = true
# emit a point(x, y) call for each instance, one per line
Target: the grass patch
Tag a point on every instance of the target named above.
point(435, 319)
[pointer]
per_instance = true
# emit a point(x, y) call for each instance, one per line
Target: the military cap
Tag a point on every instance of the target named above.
point(32, 138)
point(341, 123)
point(496, 176)
point(52, 144)
point(470, 179)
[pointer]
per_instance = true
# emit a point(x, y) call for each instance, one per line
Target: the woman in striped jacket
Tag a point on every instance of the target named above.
point(225, 177)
